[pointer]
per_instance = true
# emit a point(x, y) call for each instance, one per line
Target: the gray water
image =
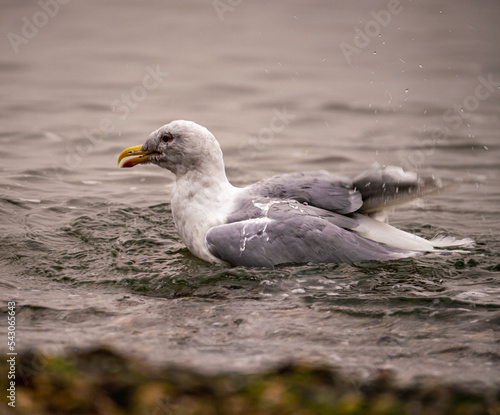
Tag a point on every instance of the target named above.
point(90, 254)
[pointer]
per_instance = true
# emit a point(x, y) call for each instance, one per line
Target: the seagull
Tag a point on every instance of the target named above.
point(295, 218)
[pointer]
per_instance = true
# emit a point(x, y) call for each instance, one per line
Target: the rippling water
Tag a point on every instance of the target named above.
point(90, 253)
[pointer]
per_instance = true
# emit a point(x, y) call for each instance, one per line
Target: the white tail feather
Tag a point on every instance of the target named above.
point(384, 233)
point(441, 241)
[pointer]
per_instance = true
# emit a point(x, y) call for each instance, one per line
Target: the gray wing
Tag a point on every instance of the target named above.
point(320, 189)
point(294, 235)
point(382, 188)
point(369, 192)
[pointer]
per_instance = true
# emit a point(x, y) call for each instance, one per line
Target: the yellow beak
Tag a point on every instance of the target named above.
point(141, 156)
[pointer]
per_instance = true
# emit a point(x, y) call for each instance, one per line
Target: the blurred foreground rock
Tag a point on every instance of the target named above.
point(102, 382)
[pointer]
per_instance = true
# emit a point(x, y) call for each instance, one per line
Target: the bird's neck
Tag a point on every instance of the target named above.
point(200, 201)
point(211, 178)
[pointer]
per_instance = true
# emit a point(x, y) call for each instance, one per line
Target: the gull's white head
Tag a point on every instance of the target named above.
point(180, 146)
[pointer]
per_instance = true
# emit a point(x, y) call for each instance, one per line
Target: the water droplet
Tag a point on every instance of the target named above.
point(407, 90)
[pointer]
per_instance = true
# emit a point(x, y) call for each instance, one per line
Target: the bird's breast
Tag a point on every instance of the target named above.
point(195, 211)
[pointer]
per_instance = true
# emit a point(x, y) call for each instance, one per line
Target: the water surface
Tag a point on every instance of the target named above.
point(90, 254)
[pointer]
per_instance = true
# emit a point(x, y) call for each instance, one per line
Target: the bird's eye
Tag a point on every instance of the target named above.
point(167, 138)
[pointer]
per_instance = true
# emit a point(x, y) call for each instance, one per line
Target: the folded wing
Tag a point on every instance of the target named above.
point(294, 233)
point(321, 189)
